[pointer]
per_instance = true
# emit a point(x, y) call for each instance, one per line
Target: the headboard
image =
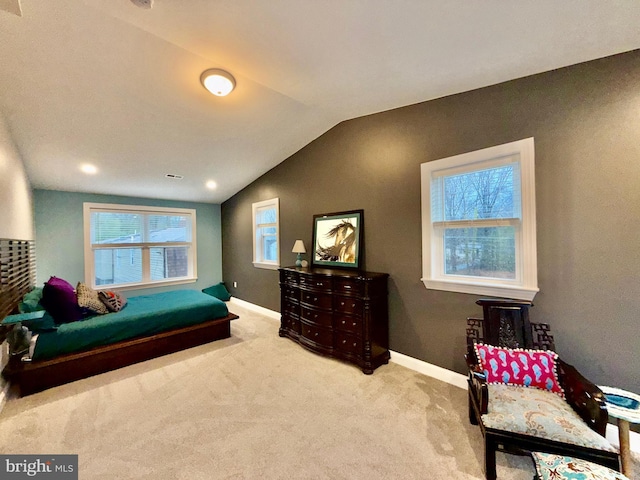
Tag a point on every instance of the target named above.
point(17, 273)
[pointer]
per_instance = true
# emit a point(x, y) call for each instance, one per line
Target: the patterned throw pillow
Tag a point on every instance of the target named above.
point(114, 301)
point(529, 368)
point(550, 467)
point(89, 299)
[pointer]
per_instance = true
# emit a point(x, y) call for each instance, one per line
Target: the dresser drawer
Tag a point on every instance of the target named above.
point(348, 305)
point(347, 285)
point(336, 313)
point(349, 324)
point(291, 323)
point(318, 317)
point(291, 293)
point(290, 308)
point(315, 282)
point(348, 343)
point(318, 300)
point(290, 278)
point(317, 335)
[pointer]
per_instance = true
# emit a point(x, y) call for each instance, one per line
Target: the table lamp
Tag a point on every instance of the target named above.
point(298, 248)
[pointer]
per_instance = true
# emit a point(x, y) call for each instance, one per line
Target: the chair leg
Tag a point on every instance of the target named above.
point(472, 413)
point(490, 447)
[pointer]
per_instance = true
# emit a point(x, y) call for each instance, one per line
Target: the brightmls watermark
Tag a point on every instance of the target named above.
point(50, 467)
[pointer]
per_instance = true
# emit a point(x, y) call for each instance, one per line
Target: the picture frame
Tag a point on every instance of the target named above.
point(338, 240)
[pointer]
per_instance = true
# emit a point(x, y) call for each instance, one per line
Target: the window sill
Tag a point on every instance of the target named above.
point(504, 291)
point(268, 266)
point(138, 286)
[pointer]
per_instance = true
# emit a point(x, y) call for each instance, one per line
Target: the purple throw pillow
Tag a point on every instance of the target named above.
point(59, 299)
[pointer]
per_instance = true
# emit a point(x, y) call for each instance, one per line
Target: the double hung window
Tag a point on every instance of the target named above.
point(479, 233)
point(266, 234)
point(138, 246)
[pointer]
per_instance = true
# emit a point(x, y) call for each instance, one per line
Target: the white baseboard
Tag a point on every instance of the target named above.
point(459, 380)
point(439, 373)
point(256, 308)
point(419, 366)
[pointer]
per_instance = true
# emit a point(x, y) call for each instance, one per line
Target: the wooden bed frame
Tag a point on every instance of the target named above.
point(32, 377)
point(18, 276)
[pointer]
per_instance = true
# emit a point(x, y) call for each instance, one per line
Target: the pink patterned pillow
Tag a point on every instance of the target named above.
point(529, 368)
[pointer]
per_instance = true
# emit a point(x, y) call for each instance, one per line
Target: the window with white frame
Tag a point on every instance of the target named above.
point(266, 234)
point(479, 222)
point(135, 246)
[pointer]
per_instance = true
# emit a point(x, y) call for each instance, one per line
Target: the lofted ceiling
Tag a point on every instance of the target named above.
point(107, 83)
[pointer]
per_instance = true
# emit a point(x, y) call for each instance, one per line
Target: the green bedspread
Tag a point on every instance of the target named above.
point(142, 316)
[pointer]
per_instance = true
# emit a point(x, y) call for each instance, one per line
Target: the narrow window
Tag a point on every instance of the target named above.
point(266, 234)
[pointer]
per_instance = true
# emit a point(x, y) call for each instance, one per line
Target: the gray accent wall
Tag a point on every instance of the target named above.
point(60, 236)
point(586, 123)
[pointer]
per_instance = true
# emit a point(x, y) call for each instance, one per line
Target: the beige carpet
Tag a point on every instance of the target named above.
point(255, 406)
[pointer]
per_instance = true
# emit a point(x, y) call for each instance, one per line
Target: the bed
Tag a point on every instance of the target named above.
point(149, 326)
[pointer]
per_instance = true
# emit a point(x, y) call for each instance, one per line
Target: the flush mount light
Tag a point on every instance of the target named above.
point(88, 169)
point(218, 82)
point(211, 185)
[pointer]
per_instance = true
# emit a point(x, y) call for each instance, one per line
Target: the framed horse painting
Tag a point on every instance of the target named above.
point(337, 239)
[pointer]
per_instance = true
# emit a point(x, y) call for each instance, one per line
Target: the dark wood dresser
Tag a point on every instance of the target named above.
point(338, 313)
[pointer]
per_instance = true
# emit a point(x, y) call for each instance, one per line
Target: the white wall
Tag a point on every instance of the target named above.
point(16, 210)
point(16, 204)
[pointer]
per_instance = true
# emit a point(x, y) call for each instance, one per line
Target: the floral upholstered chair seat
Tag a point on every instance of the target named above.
point(539, 413)
point(559, 467)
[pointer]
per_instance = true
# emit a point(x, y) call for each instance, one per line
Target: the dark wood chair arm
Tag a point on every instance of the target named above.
point(584, 397)
point(477, 382)
point(470, 358)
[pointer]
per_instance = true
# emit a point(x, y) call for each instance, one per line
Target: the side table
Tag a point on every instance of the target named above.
point(625, 406)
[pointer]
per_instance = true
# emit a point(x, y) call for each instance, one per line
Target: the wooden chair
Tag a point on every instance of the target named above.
point(584, 398)
point(506, 324)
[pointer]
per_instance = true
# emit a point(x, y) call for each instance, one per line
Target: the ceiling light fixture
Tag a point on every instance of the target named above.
point(218, 82)
point(88, 169)
point(211, 185)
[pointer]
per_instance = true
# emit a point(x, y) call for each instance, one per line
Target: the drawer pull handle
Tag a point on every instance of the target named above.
point(316, 334)
point(353, 306)
point(344, 341)
point(344, 322)
point(319, 284)
point(355, 344)
point(342, 304)
point(315, 299)
point(347, 287)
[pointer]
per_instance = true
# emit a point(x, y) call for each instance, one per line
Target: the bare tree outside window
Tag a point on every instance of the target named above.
point(469, 198)
point(479, 222)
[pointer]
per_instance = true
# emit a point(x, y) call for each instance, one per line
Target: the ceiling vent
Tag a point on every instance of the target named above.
point(146, 4)
point(173, 176)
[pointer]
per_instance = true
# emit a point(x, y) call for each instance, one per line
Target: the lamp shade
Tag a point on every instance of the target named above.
point(218, 82)
point(298, 247)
